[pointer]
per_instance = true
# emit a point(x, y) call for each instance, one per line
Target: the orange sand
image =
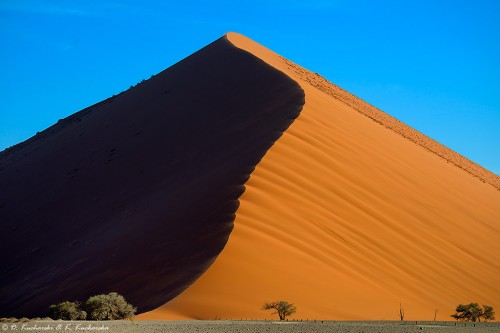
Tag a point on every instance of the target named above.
point(347, 219)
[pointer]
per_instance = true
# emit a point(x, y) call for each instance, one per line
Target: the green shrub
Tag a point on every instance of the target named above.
point(111, 306)
point(67, 311)
point(488, 313)
point(282, 308)
point(473, 312)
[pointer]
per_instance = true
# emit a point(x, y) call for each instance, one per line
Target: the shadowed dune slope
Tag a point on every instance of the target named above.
point(137, 194)
point(349, 219)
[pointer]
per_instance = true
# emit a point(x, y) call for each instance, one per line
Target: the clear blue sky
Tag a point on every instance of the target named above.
point(435, 65)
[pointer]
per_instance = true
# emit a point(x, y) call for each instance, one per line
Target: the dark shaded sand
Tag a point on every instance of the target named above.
point(223, 326)
point(137, 194)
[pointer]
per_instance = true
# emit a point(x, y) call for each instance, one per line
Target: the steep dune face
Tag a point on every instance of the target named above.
point(349, 219)
point(137, 194)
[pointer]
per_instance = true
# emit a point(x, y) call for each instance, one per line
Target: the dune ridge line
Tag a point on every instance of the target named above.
point(302, 74)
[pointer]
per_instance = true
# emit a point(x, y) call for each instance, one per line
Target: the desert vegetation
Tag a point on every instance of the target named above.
point(473, 312)
point(67, 311)
point(282, 308)
point(110, 306)
point(401, 312)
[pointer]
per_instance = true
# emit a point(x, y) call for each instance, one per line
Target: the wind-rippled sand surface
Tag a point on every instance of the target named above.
point(273, 326)
point(348, 219)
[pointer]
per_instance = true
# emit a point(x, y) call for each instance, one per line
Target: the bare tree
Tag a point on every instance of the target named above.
point(435, 314)
point(283, 308)
point(401, 312)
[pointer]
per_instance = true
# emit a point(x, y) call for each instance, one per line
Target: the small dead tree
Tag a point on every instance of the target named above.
point(435, 314)
point(401, 312)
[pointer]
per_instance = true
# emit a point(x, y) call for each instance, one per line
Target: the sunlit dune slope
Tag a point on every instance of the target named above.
point(137, 194)
point(348, 218)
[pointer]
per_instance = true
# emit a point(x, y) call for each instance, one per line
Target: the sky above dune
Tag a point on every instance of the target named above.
point(434, 65)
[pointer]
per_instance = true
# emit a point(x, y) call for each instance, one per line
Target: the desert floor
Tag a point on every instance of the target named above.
point(225, 326)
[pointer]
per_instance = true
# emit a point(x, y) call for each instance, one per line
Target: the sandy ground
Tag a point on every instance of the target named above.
point(254, 327)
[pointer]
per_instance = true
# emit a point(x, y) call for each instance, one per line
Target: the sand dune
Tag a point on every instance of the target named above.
point(348, 217)
point(337, 206)
point(137, 194)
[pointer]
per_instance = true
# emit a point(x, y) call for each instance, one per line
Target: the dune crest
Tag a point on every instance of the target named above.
point(307, 78)
point(347, 219)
